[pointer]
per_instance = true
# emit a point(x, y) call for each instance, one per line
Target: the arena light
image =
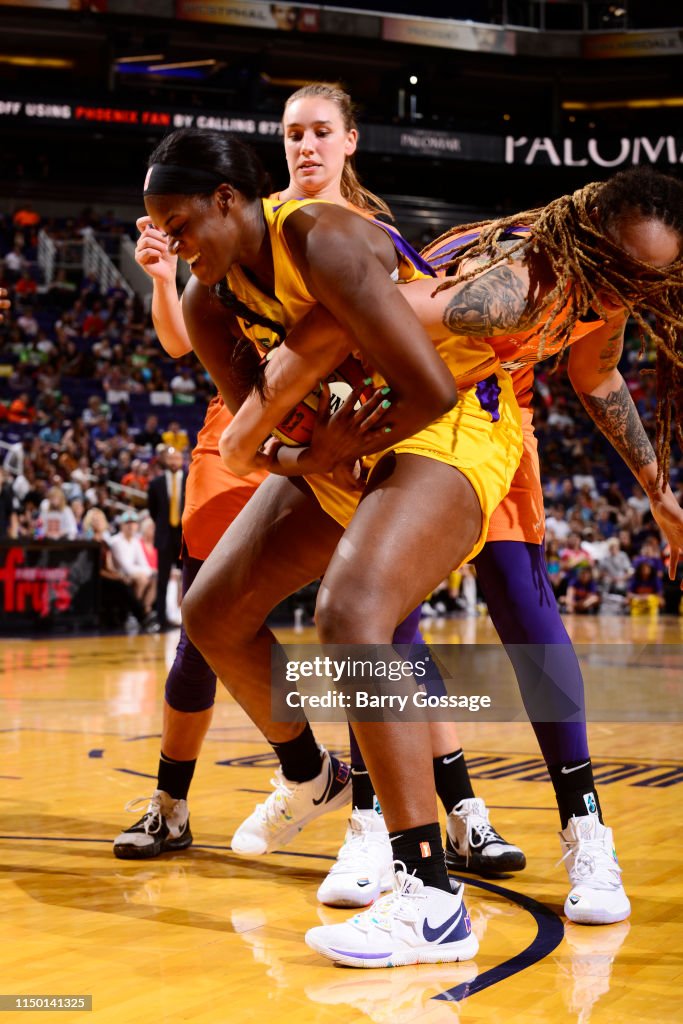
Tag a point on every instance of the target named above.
point(59, 63)
point(182, 64)
point(644, 104)
point(289, 83)
point(140, 60)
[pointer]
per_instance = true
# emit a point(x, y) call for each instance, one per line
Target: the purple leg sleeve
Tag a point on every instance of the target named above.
point(514, 580)
point(191, 684)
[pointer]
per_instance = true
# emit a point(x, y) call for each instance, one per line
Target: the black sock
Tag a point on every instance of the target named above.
point(300, 758)
point(174, 776)
point(362, 792)
point(452, 779)
point(575, 790)
point(421, 850)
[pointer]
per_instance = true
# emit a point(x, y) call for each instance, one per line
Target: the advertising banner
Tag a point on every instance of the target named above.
point(46, 585)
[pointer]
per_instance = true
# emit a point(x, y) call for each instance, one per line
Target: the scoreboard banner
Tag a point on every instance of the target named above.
point(611, 152)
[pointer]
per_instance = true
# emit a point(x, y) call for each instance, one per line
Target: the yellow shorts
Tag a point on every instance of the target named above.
point(481, 436)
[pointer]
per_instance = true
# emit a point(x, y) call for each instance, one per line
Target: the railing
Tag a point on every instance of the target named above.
point(84, 254)
point(96, 261)
point(47, 256)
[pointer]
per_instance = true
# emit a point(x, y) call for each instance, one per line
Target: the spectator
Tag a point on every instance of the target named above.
point(149, 436)
point(556, 524)
point(94, 410)
point(573, 555)
point(118, 600)
point(28, 325)
point(552, 558)
point(77, 506)
point(94, 323)
point(639, 500)
point(183, 382)
point(583, 596)
point(9, 521)
point(645, 592)
point(175, 437)
point(15, 262)
point(129, 560)
point(101, 434)
point(166, 497)
point(57, 521)
point(147, 542)
point(20, 410)
point(138, 476)
point(594, 545)
point(26, 287)
point(615, 569)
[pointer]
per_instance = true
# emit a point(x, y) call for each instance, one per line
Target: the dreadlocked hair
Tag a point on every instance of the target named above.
point(573, 235)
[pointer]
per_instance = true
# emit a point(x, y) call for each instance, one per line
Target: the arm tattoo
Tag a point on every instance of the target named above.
point(495, 300)
point(609, 357)
point(618, 419)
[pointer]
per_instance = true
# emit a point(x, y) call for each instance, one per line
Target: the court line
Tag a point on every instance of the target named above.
point(549, 934)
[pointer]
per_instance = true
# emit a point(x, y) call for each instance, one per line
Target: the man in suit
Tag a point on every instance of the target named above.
point(165, 499)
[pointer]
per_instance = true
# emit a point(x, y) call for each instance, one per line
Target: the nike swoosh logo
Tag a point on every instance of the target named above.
point(574, 900)
point(434, 934)
point(362, 882)
point(568, 771)
point(450, 760)
point(328, 787)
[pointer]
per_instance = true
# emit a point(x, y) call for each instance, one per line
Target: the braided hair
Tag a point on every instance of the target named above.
point(573, 234)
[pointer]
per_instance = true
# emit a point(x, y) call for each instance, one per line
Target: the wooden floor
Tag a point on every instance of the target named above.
point(206, 937)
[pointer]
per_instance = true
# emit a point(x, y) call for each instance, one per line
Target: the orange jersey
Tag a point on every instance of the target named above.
point(520, 515)
point(213, 495)
point(518, 352)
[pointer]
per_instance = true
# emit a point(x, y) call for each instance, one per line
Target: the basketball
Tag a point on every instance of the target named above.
point(296, 429)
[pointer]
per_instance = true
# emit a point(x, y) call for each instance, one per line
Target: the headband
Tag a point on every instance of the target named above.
point(173, 180)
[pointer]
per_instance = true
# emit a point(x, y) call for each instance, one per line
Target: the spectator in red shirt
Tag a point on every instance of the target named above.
point(21, 410)
point(94, 324)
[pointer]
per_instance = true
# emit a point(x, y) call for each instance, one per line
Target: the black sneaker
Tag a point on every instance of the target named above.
point(473, 844)
point(164, 827)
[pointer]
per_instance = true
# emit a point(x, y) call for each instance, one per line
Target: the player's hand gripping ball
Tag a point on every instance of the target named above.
point(296, 429)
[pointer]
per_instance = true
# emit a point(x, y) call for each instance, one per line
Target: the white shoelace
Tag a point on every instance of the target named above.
point(153, 815)
point(399, 905)
point(275, 808)
point(487, 833)
point(590, 860)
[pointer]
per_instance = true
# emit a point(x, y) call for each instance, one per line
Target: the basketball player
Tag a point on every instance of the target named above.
point(307, 253)
point(320, 139)
point(634, 224)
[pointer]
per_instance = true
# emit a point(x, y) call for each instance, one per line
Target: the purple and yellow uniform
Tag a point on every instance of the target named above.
point(481, 436)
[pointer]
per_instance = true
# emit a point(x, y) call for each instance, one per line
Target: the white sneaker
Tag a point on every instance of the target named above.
point(597, 895)
point(473, 844)
point(164, 827)
point(415, 924)
point(364, 866)
point(291, 806)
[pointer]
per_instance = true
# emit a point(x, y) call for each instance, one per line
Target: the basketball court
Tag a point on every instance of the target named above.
point(208, 937)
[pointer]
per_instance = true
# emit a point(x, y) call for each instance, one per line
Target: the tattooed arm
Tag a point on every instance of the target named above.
point(605, 396)
point(508, 297)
